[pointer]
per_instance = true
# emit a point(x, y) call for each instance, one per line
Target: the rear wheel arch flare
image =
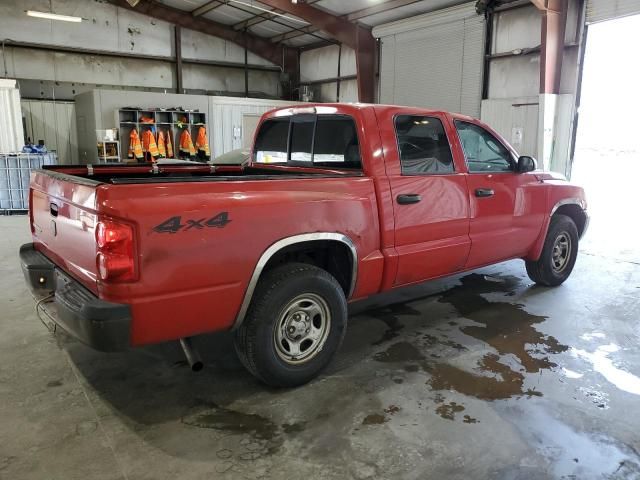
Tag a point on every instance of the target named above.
point(327, 250)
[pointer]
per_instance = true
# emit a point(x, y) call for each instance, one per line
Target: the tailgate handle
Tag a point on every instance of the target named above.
point(53, 209)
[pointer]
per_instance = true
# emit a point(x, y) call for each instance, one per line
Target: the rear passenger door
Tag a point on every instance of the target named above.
point(430, 201)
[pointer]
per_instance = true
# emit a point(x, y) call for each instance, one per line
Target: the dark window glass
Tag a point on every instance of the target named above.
point(302, 138)
point(271, 143)
point(336, 144)
point(423, 145)
point(483, 152)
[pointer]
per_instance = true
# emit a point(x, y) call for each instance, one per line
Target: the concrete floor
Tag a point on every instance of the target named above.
point(479, 376)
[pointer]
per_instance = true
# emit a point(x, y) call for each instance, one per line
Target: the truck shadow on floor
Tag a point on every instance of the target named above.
point(416, 329)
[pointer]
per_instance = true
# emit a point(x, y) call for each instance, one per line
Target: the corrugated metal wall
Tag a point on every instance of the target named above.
point(599, 10)
point(116, 30)
point(55, 123)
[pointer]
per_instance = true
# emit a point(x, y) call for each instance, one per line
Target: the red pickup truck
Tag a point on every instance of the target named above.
point(339, 202)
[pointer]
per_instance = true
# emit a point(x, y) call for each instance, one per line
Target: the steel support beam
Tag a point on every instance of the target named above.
point(355, 36)
point(278, 54)
point(263, 17)
point(178, 49)
point(554, 21)
point(352, 17)
point(207, 7)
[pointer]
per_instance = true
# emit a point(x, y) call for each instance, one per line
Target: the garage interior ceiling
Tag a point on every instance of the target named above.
point(262, 20)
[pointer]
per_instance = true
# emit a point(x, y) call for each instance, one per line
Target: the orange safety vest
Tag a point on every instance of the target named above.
point(149, 144)
point(135, 148)
point(202, 144)
point(169, 144)
point(162, 150)
point(186, 144)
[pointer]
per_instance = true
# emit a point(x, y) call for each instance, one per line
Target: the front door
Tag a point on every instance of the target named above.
point(507, 207)
point(430, 201)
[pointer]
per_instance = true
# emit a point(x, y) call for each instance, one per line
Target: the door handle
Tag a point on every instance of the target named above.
point(484, 192)
point(408, 198)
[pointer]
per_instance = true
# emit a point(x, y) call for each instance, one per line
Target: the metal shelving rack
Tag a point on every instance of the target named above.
point(103, 151)
point(173, 120)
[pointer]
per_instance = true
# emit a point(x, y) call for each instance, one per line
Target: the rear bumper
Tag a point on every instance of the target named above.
point(102, 325)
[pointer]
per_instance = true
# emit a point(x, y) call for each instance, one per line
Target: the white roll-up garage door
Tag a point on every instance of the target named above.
point(434, 60)
point(599, 10)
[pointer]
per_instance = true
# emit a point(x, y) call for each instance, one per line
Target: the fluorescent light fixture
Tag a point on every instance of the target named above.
point(251, 5)
point(53, 16)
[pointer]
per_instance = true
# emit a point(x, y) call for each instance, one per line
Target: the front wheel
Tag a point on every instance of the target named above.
point(559, 253)
point(294, 326)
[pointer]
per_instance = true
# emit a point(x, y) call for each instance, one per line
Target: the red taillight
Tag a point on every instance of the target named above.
point(115, 258)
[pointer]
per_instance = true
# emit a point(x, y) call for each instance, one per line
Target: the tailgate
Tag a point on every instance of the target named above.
point(63, 219)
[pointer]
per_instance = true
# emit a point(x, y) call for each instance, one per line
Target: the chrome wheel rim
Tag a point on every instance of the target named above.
point(302, 328)
point(561, 252)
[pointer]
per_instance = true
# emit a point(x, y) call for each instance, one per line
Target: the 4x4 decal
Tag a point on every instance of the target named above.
point(174, 224)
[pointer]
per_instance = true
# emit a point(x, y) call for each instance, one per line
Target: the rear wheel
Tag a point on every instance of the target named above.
point(559, 253)
point(294, 326)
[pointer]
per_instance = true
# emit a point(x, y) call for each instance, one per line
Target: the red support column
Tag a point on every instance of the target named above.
point(366, 65)
point(554, 21)
point(355, 36)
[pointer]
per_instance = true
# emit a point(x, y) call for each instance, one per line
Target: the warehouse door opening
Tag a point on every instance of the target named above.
point(607, 155)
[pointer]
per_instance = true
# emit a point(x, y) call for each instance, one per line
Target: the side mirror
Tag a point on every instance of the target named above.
point(526, 164)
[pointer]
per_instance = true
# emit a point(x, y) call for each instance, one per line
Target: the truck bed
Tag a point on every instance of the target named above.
point(198, 231)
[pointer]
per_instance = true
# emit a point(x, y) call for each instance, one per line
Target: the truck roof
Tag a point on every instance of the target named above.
point(328, 108)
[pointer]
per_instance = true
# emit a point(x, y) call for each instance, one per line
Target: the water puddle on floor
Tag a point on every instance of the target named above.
point(389, 315)
point(518, 347)
point(606, 367)
point(232, 421)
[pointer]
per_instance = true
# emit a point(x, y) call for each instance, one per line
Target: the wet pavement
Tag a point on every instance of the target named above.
point(480, 376)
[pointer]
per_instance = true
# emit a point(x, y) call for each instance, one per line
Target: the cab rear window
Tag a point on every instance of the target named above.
point(309, 140)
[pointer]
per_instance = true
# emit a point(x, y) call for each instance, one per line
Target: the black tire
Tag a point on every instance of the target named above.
point(544, 271)
point(255, 340)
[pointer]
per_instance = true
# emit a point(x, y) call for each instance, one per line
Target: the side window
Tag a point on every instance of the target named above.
point(483, 152)
point(336, 143)
point(271, 143)
point(423, 145)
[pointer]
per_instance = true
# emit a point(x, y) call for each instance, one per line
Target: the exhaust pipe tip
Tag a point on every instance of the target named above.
point(193, 357)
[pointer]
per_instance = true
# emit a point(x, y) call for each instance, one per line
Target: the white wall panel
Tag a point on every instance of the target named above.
point(349, 91)
point(199, 46)
point(55, 123)
point(348, 62)
point(106, 28)
point(516, 119)
point(319, 63)
point(11, 131)
point(226, 120)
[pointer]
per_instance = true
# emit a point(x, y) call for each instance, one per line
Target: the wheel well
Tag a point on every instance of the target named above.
point(576, 214)
point(331, 255)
